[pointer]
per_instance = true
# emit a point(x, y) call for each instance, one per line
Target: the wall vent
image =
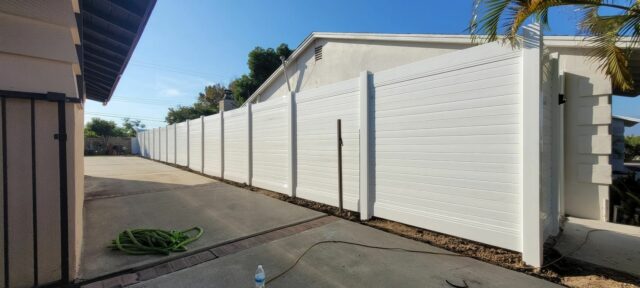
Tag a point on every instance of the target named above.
point(318, 52)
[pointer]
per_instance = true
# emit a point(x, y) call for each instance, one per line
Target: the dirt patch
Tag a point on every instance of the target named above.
point(568, 272)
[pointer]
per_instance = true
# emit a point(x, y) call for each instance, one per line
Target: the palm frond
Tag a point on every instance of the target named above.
point(505, 17)
point(605, 34)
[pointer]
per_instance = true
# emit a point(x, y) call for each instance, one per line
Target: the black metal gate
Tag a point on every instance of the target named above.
point(61, 137)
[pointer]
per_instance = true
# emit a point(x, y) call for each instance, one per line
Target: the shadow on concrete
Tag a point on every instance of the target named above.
point(339, 265)
point(224, 212)
point(104, 187)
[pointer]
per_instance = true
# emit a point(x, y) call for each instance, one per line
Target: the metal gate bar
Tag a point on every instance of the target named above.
point(61, 136)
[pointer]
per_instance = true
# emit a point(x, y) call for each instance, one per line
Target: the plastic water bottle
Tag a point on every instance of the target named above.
point(259, 279)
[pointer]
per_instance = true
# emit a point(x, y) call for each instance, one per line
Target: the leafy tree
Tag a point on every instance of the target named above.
point(492, 17)
point(212, 95)
point(88, 133)
point(262, 63)
point(242, 88)
point(103, 128)
point(180, 114)
point(130, 127)
point(207, 104)
point(631, 147)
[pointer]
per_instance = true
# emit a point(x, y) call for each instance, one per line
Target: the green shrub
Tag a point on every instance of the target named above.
point(631, 147)
point(626, 193)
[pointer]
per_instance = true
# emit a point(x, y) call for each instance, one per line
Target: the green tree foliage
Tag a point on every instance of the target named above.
point(88, 133)
point(631, 147)
point(131, 126)
point(207, 104)
point(626, 193)
point(242, 88)
point(262, 63)
point(103, 128)
point(493, 17)
point(212, 95)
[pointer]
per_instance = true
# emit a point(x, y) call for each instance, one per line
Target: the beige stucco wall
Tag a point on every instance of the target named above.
point(75, 159)
point(37, 54)
point(587, 136)
point(345, 59)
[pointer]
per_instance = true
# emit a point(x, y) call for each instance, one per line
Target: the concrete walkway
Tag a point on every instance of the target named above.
point(227, 213)
point(340, 265)
point(131, 192)
point(615, 246)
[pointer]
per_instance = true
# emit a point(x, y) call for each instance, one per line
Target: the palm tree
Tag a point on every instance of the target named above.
point(494, 17)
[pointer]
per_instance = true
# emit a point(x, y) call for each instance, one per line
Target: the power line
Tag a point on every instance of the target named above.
point(174, 69)
point(142, 102)
point(123, 116)
point(158, 99)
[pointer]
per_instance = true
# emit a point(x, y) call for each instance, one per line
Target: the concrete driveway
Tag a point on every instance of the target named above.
point(131, 192)
point(244, 229)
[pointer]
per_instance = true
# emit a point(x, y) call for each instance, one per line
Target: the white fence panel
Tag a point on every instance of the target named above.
point(163, 144)
point(448, 144)
point(182, 144)
point(212, 146)
point(148, 142)
point(145, 147)
point(156, 144)
point(195, 144)
point(171, 143)
point(317, 152)
point(270, 144)
point(135, 145)
point(236, 145)
point(140, 136)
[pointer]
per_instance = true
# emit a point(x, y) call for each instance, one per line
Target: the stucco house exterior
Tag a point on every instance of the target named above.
point(575, 120)
point(618, 124)
point(54, 55)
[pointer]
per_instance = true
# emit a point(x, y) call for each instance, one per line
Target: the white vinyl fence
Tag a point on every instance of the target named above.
point(212, 152)
point(236, 145)
point(444, 144)
point(182, 144)
point(270, 145)
point(163, 144)
point(195, 144)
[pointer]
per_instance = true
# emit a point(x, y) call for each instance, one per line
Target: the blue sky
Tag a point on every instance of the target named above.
point(189, 44)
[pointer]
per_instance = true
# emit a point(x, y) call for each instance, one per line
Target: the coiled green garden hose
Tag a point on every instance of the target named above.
point(154, 241)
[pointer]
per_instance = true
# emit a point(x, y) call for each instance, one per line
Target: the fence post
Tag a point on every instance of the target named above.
point(291, 131)
point(153, 151)
point(365, 148)
point(146, 143)
point(166, 140)
point(249, 144)
point(175, 143)
point(222, 144)
point(202, 144)
point(188, 143)
point(532, 77)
